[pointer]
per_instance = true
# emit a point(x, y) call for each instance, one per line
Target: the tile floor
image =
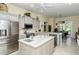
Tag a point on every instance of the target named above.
point(69, 47)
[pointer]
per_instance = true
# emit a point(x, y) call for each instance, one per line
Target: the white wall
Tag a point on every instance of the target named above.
point(51, 21)
point(15, 10)
point(75, 24)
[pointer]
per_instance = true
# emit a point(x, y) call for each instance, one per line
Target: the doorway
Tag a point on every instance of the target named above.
point(49, 28)
point(65, 27)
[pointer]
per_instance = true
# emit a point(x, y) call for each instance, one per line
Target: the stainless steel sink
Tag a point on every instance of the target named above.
point(28, 40)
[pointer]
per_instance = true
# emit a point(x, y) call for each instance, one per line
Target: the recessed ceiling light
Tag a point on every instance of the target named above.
point(32, 5)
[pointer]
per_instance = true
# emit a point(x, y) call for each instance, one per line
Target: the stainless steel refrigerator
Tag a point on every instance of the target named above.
point(9, 35)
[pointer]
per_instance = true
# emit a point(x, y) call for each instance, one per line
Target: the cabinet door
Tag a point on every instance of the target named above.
point(28, 20)
point(36, 24)
point(14, 18)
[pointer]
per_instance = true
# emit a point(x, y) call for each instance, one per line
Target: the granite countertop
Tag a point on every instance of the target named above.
point(36, 41)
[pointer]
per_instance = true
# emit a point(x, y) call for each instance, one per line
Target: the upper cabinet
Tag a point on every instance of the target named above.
point(28, 20)
point(36, 24)
point(21, 19)
point(8, 16)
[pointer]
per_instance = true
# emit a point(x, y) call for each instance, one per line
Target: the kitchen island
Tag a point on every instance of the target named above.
point(38, 45)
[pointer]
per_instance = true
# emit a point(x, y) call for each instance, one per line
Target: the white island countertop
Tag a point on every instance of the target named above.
point(37, 40)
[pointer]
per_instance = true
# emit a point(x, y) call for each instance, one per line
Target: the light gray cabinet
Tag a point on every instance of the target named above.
point(28, 20)
point(36, 24)
point(8, 16)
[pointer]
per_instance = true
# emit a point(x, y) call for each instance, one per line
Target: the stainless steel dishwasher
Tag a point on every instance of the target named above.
point(9, 32)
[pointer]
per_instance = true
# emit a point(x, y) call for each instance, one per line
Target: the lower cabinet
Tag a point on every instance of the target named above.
point(6, 49)
point(45, 49)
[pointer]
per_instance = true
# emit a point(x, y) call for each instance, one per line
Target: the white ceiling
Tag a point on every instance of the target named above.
point(52, 9)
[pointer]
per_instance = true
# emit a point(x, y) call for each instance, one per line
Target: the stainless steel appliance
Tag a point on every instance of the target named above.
point(9, 32)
